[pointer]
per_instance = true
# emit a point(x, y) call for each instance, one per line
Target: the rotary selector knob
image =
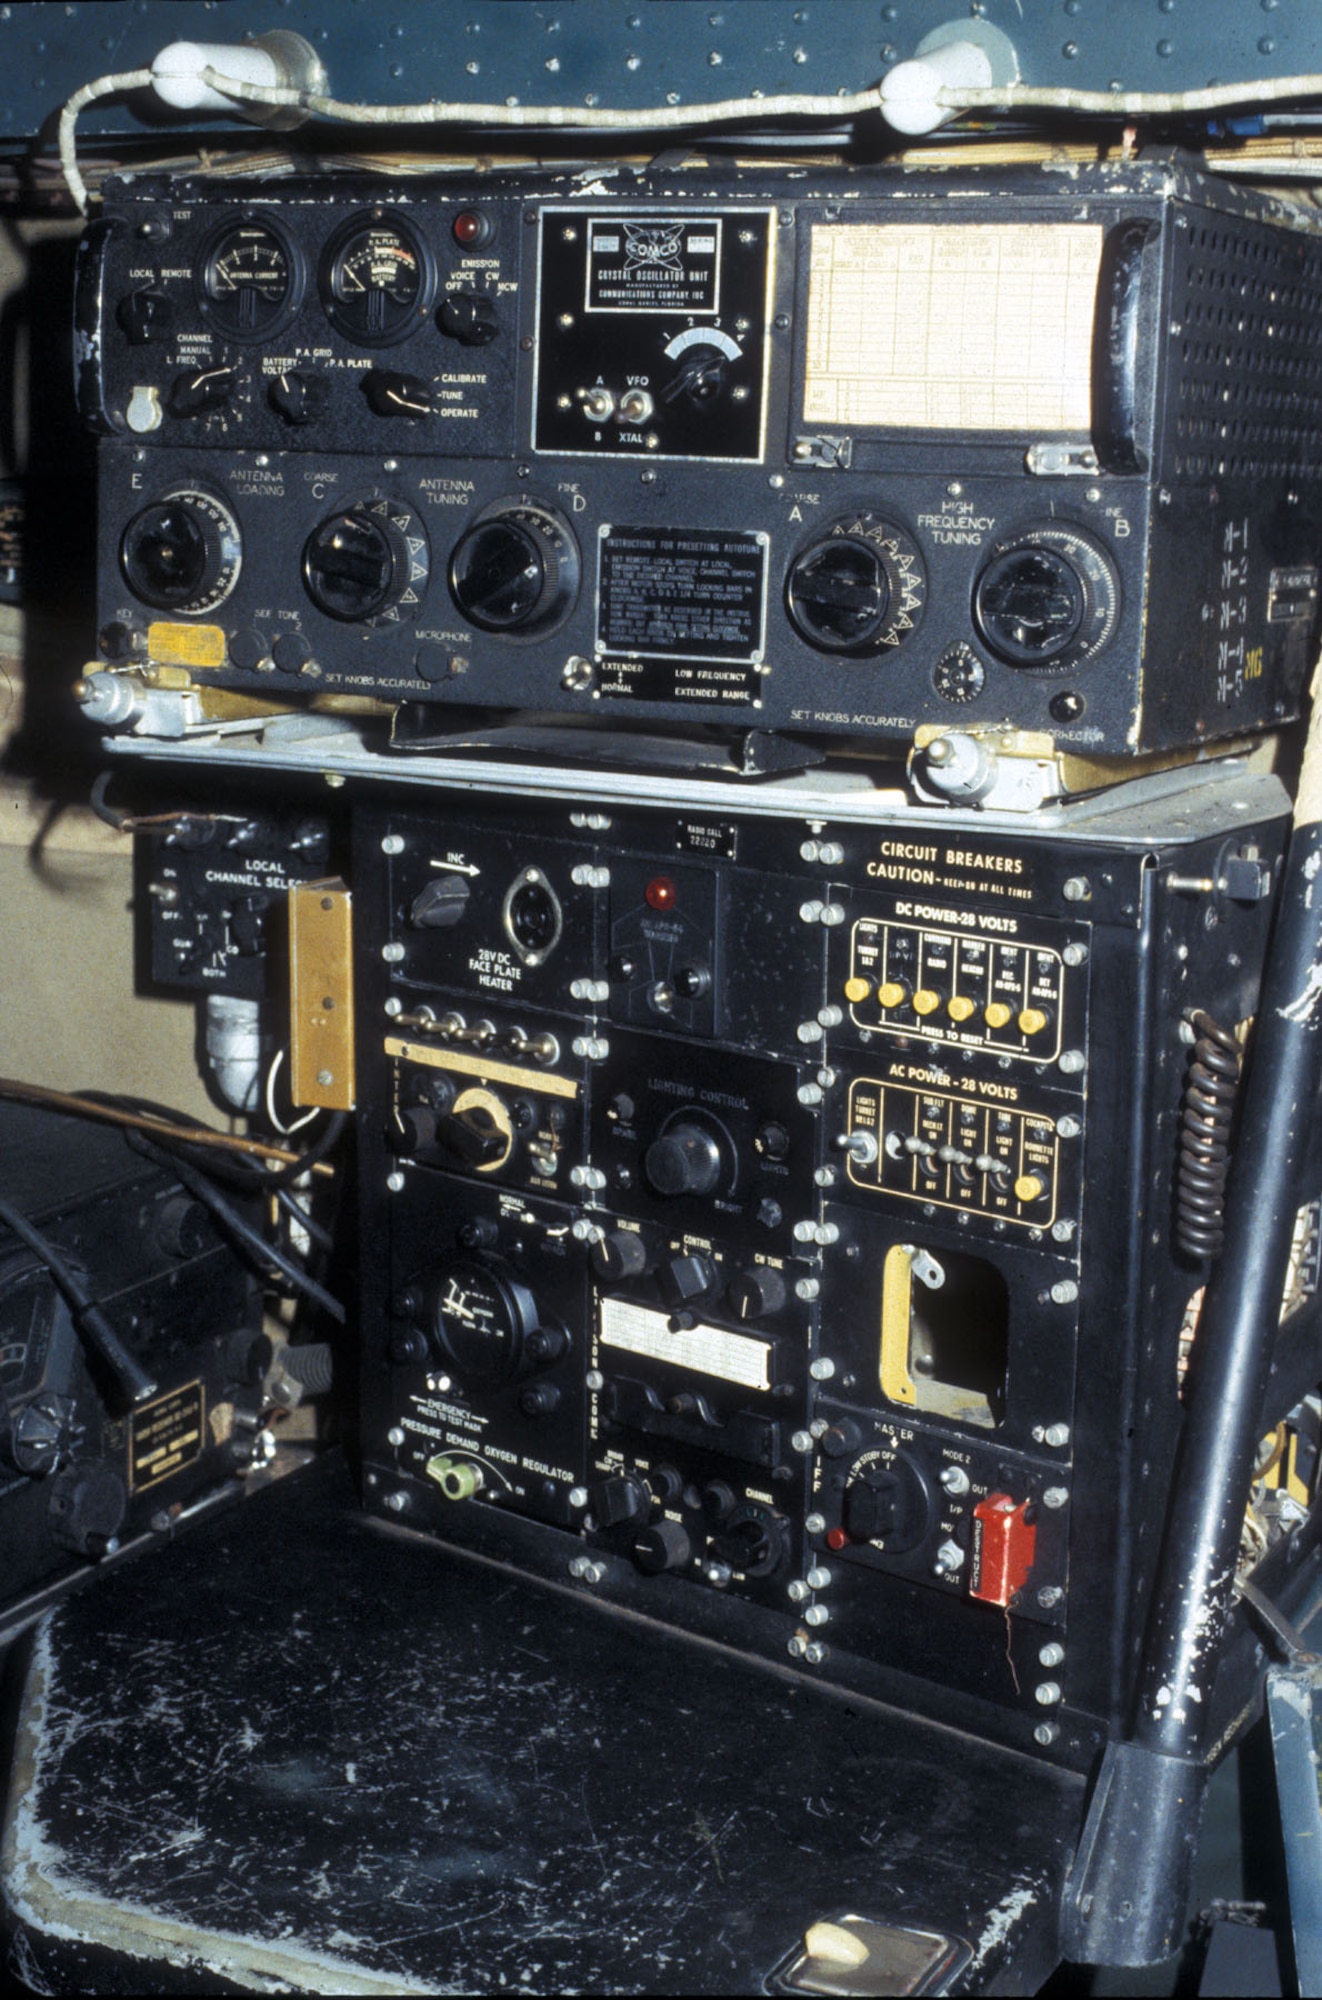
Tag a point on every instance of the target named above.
point(516, 570)
point(487, 1324)
point(369, 563)
point(751, 1542)
point(890, 1503)
point(470, 318)
point(1048, 597)
point(299, 395)
point(859, 589)
point(183, 552)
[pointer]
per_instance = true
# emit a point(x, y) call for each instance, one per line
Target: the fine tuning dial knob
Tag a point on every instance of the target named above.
point(1048, 597)
point(857, 590)
point(470, 318)
point(516, 570)
point(369, 563)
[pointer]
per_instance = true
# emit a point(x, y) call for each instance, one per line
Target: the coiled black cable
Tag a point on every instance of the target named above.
point(1205, 1126)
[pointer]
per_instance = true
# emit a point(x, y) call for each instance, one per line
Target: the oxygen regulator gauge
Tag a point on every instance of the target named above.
point(182, 552)
point(1047, 598)
point(488, 1325)
point(859, 589)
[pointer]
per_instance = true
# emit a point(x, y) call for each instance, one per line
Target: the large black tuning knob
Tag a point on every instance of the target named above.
point(516, 570)
point(368, 564)
point(755, 1290)
point(857, 590)
point(1048, 597)
point(470, 318)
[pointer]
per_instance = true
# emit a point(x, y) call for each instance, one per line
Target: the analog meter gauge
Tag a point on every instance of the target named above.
point(250, 279)
point(377, 279)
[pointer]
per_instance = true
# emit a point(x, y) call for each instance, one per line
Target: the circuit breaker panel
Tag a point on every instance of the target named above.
point(770, 1222)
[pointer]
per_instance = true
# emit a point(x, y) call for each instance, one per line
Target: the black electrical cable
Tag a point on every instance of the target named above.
point(94, 1329)
point(321, 1237)
point(236, 1224)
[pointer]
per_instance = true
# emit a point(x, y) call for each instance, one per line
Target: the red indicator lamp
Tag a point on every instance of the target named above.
point(836, 1538)
point(469, 227)
point(660, 893)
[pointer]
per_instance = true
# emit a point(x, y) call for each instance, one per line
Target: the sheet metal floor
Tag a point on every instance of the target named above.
point(293, 1751)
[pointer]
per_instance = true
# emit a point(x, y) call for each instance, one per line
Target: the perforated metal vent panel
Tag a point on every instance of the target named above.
point(1245, 353)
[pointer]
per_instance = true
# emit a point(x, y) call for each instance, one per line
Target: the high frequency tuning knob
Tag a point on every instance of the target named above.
point(857, 590)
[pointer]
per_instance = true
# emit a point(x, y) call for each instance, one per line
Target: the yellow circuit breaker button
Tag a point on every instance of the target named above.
point(925, 1001)
point(890, 994)
point(960, 1008)
point(856, 990)
point(997, 1015)
point(1029, 1187)
point(1032, 1021)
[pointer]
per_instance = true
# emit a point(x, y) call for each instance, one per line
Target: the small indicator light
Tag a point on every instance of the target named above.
point(469, 227)
point(660, 893)
point(836, 1538)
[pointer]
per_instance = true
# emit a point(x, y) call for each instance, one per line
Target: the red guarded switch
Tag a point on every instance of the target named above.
point(1004, 1543)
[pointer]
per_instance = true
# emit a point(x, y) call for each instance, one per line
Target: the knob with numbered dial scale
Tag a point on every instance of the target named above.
point(515, 571)
point(368, 563)
point(1048, 597)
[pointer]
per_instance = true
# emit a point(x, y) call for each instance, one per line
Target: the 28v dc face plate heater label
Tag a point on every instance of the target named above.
point(681, 614)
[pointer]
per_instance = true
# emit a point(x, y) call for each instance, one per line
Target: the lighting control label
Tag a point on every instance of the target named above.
point(956, 1152)
point(975, 992)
